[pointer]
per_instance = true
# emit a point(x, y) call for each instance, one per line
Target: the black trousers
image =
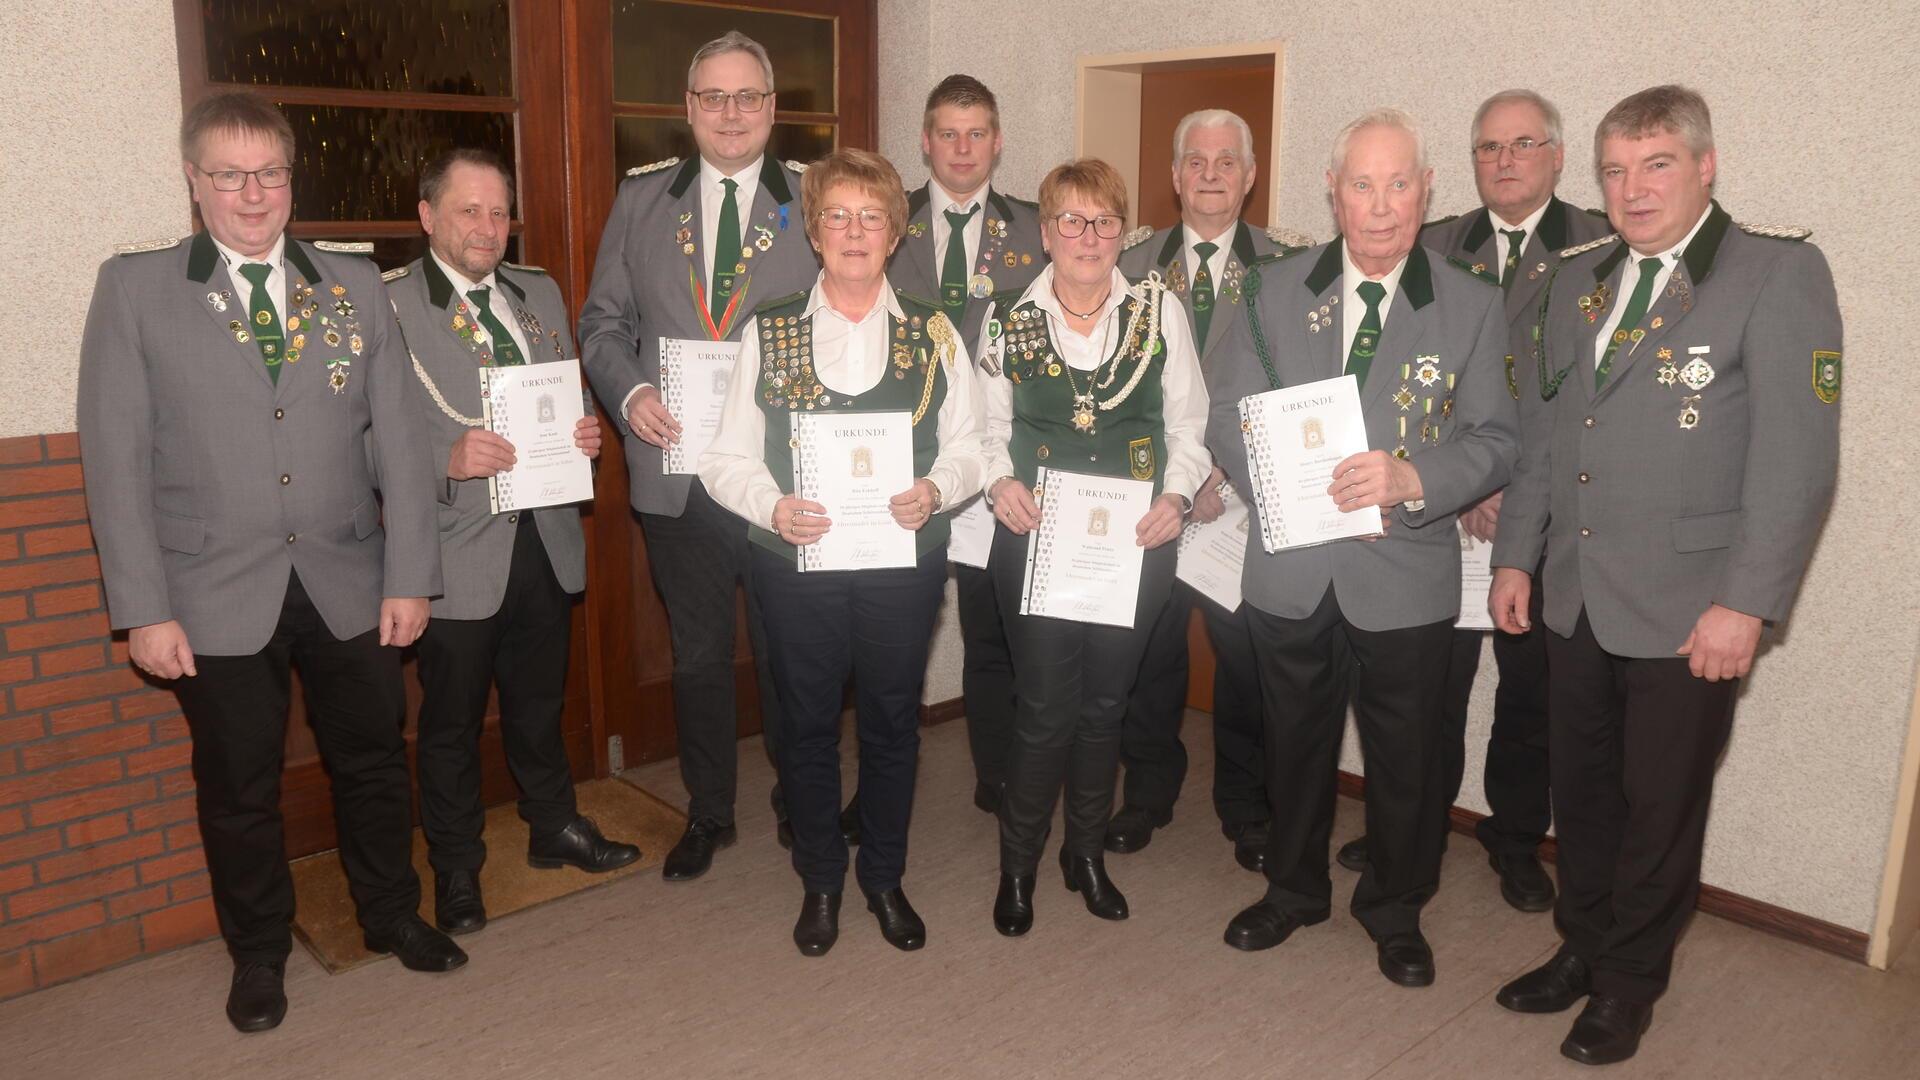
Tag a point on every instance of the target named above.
point(1634, 747)
point(986, 674)
point(1071, 684)
point(236, 710)
point(1150, 746)
point(697, 559)
point(523, 648)
point(1309, 668)
point(1516, 770)
point(876, 626)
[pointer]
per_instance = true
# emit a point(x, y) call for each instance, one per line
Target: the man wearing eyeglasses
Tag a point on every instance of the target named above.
point(1203, 260)
point(1513, 240)
point(966, 241)
point(688, 252)
point(242, 396)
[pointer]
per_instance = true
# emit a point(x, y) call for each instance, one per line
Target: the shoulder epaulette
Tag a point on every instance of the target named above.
point(1276, 256)
point(1288, 238)
point(1028, 203)
point(1006, 298)
point(1776, 232)
point(395, 274)
point(1595, 212)
point(780, 301)
point(523, 266)
point(1441, 221)
point(797, 166)
point(1480, 271)
point(920, 300)
point(148, 245)
point(345, 247)
point(1581, 249)
point(1137, 237)
point(656, 166)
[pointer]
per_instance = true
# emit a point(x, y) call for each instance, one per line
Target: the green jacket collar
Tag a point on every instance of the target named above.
point(1552, 229)
point(203, 257)
point(440, 286)
point(1416, 281)
point(1242, 245)
point(1698, 257)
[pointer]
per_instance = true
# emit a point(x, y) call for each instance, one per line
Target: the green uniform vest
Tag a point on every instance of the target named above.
point(915, 382)
point(1128, 440)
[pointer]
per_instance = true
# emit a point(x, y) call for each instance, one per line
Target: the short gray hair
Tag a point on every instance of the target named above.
point(732, 41)
point(1206, 118)
point(1393, 118)
point(1669, 108)
point(1548, 113)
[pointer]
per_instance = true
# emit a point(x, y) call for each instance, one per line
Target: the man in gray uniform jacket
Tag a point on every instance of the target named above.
point(1204, 261)
point(690, 249)
point(242, 395)
point(1513, 240)
point(1691, 373)
point(1425, 341)
point(506, 615)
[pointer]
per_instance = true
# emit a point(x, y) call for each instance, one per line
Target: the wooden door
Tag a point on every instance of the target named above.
point(1243, 84)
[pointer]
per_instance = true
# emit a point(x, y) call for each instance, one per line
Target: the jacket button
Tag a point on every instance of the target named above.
point(285, 479)
point(1589, 421)
point(279, 414)
point(511, 518)
point(1586, 532)
point(1584, 478)
point(289, 538)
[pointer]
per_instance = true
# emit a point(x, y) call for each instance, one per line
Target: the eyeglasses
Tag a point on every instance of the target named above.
point(715, 100)
point(1522, 149)
point(839, 217)
point(276, 176)
point(1106, 226)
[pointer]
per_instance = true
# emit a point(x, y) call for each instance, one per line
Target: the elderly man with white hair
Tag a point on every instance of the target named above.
point(1204, 261)
point(1369, 622)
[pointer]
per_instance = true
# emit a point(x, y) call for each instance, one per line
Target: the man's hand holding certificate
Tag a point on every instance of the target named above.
point(540, 445)
point(1313, 479)
point(694, 376)
point(855, 500)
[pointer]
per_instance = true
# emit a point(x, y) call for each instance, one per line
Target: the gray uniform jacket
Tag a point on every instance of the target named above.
point(1700, 473)
point(1166, 252)
point(476, 545)
point(642, 292)
point(208, 483)
point(1442, 322)
point(1010, 232)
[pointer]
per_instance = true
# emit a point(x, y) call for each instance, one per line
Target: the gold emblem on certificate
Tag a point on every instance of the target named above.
point(1312, 435)
point(863, 461)
point(1098, 520)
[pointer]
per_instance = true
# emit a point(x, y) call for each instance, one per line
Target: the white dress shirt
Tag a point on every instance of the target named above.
point(1217, 264)
point(850, 357)
point(496, 303)
point(1183, 393)
point(1500, 228)
point(1350, 279)
point(1630, 278)
point(938, 203)
point(276, 281)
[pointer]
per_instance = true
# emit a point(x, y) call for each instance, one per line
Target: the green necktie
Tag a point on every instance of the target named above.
point(1367, 340)
point(1202, 293)
point(726, 253)
point(505, 352)
point(953, 268)
point(1516, 239)
point(1637, 305)
point(266, 320)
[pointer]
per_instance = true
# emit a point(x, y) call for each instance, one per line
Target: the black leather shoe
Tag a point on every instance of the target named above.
point(1013, 905)
point(850, 822)
point(580, 845)
point(457, 907)
point(1132, 828)
point(258, 999)
point(1523, 882)
point(987, 796)
point(1353, 854)
point(1087, 875)
point(420, 947)
point(1608, 1030)
point(1249, 844)
point(899, 923)
point(819, 924)
point(1264, 925)
point(1407, 959)
point(783, 832)
point(693, 855)
point(1552, 987)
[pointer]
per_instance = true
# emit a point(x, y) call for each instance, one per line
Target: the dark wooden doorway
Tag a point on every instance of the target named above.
point(1243, 84)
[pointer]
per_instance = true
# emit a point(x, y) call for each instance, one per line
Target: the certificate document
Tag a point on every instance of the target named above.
point(694, 376)
point(853, 463)
point(1476, 581)
point(1295, 436)
point(1082, 561)
point(972, 539)
point(535, 407)
point(1213, 553)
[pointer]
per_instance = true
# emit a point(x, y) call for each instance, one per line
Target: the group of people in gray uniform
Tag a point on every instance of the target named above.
point(1636, 406)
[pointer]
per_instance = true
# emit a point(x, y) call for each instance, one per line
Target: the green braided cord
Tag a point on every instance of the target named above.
point(1549, 387)
point(1251, 290)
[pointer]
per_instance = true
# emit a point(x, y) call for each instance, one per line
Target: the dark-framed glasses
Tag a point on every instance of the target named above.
point(839, 217)
point(715, 100)
point(274, 176)
point(1522, 149)
point(1105, 226)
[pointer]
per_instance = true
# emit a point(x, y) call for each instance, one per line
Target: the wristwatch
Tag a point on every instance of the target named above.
point(939, 500)
point(991, 484)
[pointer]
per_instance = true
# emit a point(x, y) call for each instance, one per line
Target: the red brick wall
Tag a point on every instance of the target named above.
point(100, 856)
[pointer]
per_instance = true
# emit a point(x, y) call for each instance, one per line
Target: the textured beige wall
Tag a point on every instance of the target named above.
point(1814, 111)
point(88, 159)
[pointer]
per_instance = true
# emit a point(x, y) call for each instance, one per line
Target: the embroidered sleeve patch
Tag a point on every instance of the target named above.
point(1826, 376)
